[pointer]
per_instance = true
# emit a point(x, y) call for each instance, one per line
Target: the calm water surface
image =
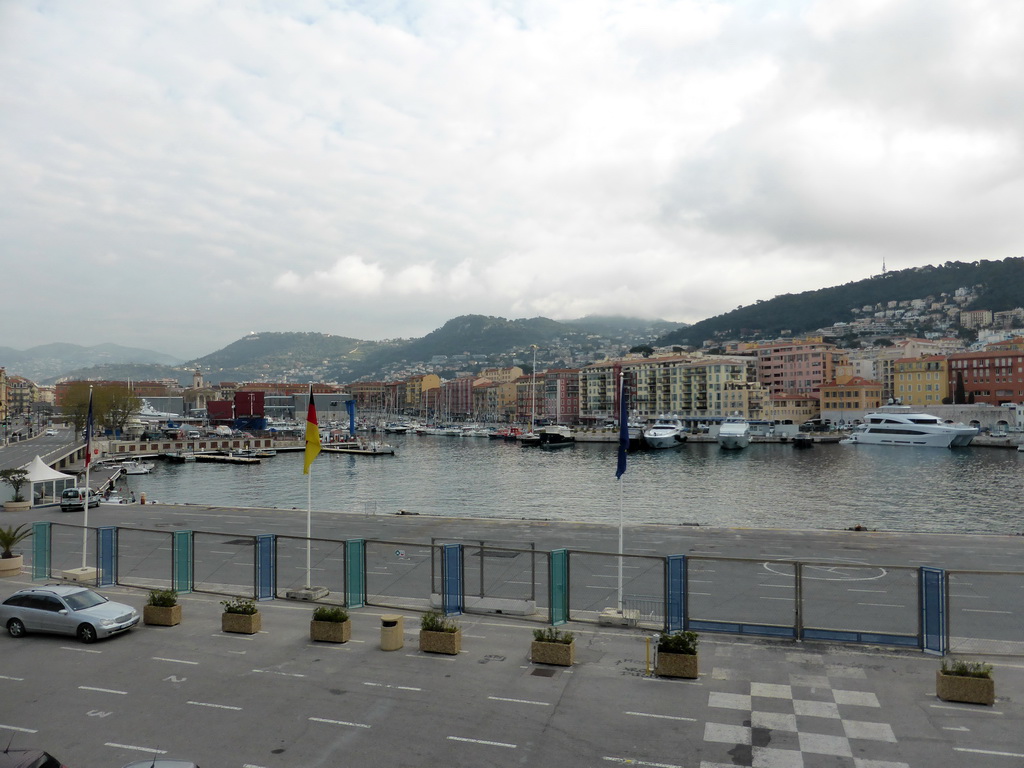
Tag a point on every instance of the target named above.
point(830, 486)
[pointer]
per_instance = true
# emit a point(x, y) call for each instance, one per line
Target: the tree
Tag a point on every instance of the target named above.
point(642, 349)
point(15, 478)
point(118, 405)
point(112, 404)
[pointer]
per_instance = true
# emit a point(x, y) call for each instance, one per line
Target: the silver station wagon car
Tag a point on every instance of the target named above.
point(65, 610)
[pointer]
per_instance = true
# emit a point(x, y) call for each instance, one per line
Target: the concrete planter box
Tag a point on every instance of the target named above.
point(330, 631)
point(441, 642)
point(970, 690)
point(683, 665)
point(559, 654)
point(17, 506)
point(241, 623)
point(161, 616)
point(11, 566)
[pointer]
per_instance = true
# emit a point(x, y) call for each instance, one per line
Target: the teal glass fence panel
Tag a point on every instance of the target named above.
point(41, 550)
point(182, 562)
point(355, 573)
point(558, 580)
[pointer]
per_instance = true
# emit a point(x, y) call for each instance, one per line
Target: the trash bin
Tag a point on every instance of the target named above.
point(392, 632)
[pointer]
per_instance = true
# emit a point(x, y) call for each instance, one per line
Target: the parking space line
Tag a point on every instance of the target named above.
point(520, 701)
point(16, 728)
point(338, 722)
point(5, 677)
point(215, 706)
point(396, 687)
point(80, 650)
point(101, 690)
point(137, 749)
point(628, 761)
point(482, 741)
point(662, 717)
point(175, 661)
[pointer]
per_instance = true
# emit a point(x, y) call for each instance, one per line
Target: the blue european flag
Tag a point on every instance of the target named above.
point(623, 430)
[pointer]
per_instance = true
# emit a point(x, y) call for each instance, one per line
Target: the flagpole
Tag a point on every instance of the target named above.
point(623, 430)
point(309, 527)
point(88, 490)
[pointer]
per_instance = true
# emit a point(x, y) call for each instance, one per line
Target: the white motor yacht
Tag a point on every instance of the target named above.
point(899, 425)
point(734, 434)
point(665, 433)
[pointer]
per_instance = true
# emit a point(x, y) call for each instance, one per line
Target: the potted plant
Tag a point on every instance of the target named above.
point(162, 608)
point(439, 634)
point(240, 615)
point(967, 681)
point(677, 655)
point(553, 646)
point(10, 537)
point(330, 624)
point(15, 478)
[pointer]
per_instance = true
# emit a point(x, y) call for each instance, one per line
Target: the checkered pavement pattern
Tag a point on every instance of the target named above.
point(808, 713)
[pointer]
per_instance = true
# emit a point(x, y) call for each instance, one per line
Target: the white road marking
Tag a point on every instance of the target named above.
point(520, 701)
point(16, 728)
point(482, 741)
point(964, 709)
point(338, 722)
point(396, 687)
point(175, 661)
point(663, 717)
point(982, 610)
point(882, 605)
point(5, 677)
point(273, 672)
point(988, 752)
point(80, 650)
point(627, 761)
point(955, 728)
point(101, 690)
point(137, 749)
point(215, 706)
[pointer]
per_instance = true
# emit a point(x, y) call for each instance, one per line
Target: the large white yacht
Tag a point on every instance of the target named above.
point(899, 425)
point(665, 433)
point(734, 434)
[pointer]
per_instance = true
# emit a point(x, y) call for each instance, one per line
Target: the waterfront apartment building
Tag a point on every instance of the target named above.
point(849, 398)
point(529, 398)
point(415, 387)
point(502, 375)
point(922, 381)
point(793, 408)
point(369, 395)
point(799, 366)
point(561, 395)
point(993, 376)
point(456, 398)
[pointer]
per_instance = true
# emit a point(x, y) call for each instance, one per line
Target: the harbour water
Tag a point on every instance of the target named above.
point(975, 490)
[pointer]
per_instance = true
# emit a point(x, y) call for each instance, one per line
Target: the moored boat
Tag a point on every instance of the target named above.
point(136, 467)
point(733, 435)
point(665, 432)
point(899, 425)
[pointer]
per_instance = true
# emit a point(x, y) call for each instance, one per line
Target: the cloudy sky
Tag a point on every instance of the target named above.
point(176, 174)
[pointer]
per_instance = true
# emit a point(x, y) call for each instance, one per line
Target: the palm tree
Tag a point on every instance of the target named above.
point(10, 537)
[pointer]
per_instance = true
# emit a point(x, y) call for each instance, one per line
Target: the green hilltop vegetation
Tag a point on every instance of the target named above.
point(285, 350)
point(1001, 288)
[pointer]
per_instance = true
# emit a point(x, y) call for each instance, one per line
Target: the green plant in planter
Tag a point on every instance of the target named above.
point(15, 478)
point(963, 668)
point(162, 598)
point(241, 605)
point(553, 635)
point(331, 613)
point(678, 642)
point(433, 621)
point(11, 537)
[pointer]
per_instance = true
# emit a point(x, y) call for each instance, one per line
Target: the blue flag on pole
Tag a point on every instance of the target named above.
point(88, 432)
point(623, 428)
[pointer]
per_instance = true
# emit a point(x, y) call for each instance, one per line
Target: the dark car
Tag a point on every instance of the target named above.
point(65, 610)
point(28, 758)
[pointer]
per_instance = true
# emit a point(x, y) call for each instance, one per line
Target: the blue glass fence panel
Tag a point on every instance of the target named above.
point(675, 593)
point(933, 610)
point(452, 579)
point(106, 554)
point(266, 566)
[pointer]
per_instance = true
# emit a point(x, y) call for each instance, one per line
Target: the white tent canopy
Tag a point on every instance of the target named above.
point(40, 474)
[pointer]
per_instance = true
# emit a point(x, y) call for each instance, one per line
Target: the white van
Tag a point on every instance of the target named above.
point(193, 435)
point(73, 499)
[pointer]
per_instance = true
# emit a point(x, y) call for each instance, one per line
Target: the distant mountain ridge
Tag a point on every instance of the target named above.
point(49, 361)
